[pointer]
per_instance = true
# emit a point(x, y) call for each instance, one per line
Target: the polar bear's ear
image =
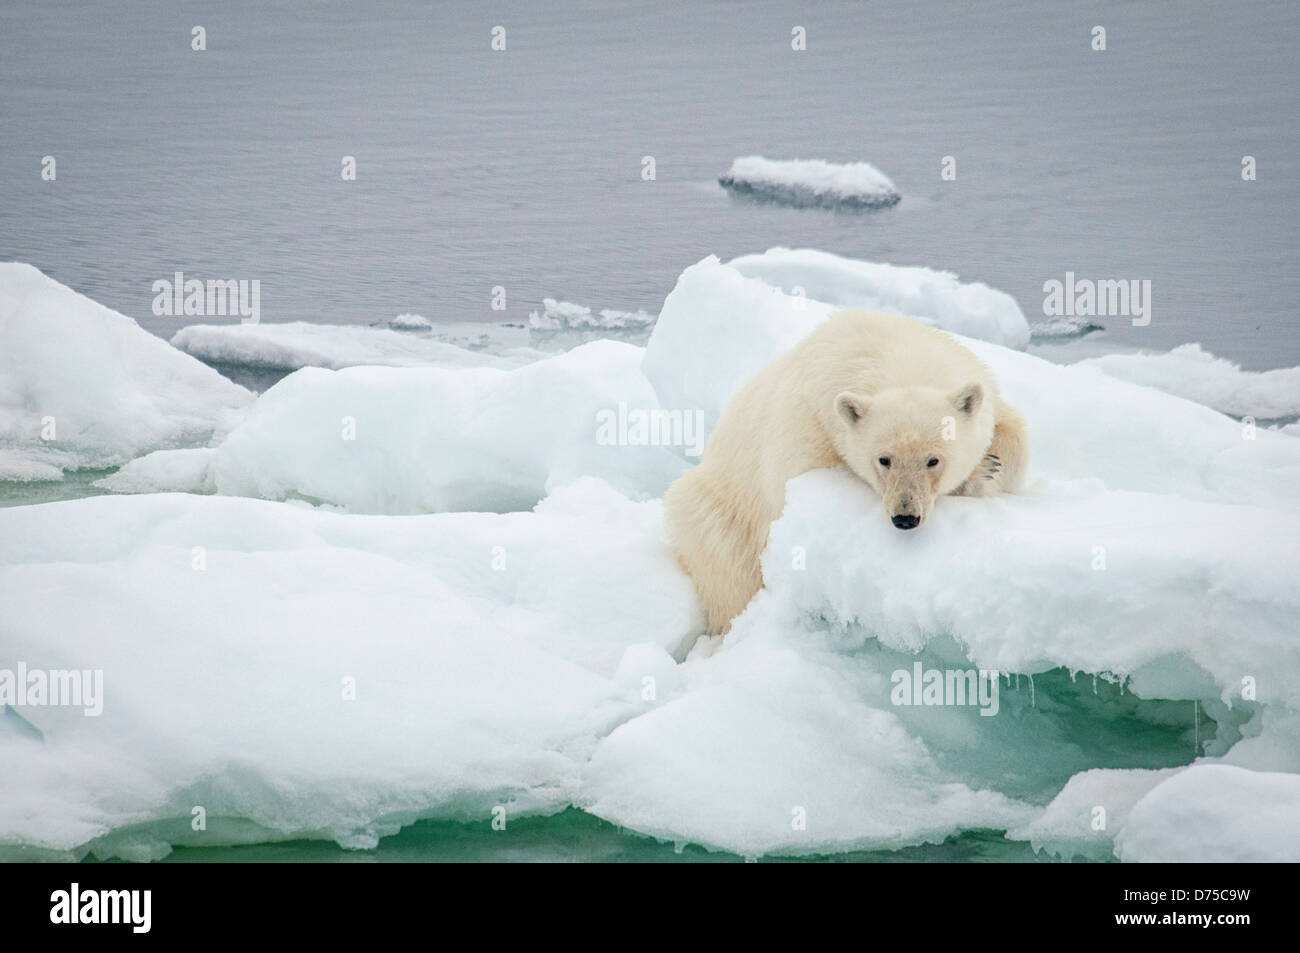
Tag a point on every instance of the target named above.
point(852, 407)
point(969, 398)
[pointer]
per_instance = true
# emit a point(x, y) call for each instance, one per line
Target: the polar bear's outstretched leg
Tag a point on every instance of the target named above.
point(1003, 468)
point(711, 525)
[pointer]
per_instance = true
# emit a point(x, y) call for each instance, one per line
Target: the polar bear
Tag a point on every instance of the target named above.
point(906, 407)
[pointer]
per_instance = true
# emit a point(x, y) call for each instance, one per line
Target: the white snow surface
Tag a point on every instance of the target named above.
point(538, 659)
point(933, 297)
point(165, 471)
point(106, 389)
point(1210, 812)
point(298, 344)
point(811, 182)
point(1214, 813)
point(1198, 375)
point(437, 439)
point(483, 651)
point(409, 321)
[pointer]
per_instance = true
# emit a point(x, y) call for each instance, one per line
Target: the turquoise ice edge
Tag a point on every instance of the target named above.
point(576, 836)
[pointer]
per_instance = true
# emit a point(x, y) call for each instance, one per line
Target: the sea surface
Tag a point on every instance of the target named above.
point(522, 169)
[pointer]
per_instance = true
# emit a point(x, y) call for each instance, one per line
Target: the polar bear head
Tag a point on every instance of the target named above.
point(912, 444)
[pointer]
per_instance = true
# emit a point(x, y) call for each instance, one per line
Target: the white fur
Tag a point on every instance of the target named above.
point(862, 386)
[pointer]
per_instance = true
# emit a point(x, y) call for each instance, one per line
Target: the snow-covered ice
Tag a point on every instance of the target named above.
point(409, 321)
point(298, 344)
point(1137, 602)
point(82, 386)
point(934, 297)
point(417, 440)
point(1210, 812)
point(1191, 372)
point(165, 471)
point(811, 183)
point(568, 316)
point(483, 651)
point(1236, 815)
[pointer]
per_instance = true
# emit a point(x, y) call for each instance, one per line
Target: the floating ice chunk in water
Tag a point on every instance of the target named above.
point(811, 183)
point(410, 322)
point(82, 386)
point(1213, 381)
point(933, 297)
point(558, 315)
point(564, 323)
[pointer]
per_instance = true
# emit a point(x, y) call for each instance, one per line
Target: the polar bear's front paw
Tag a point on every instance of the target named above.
point(985, 480)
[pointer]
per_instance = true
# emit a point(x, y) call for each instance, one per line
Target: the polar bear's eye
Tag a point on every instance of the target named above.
point(932, 462)
point(884, 462)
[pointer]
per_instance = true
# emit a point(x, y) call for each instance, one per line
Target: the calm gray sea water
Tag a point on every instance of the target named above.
point(522, 168)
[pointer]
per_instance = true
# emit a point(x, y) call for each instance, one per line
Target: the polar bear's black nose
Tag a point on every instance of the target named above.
point(906, 521)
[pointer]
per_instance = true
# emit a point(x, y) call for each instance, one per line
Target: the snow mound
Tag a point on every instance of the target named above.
point(1155, 590)
point(299, 344)
point(82, 386)
point(165, 471)
point(413, 440)
point(1236, 816)
point(811, 183)
point(717, 328)
point(1213, 381)
point(1084, 817)
point(1209, 812)
point(770, 747)
point(482, 651)
point(933, 297)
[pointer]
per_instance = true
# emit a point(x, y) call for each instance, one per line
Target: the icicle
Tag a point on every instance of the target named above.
point(1196, 725)
point(1094, 684)
point(1031, 690)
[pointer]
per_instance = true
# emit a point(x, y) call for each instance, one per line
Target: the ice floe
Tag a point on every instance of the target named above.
point(811, 183)
point(82, 386)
